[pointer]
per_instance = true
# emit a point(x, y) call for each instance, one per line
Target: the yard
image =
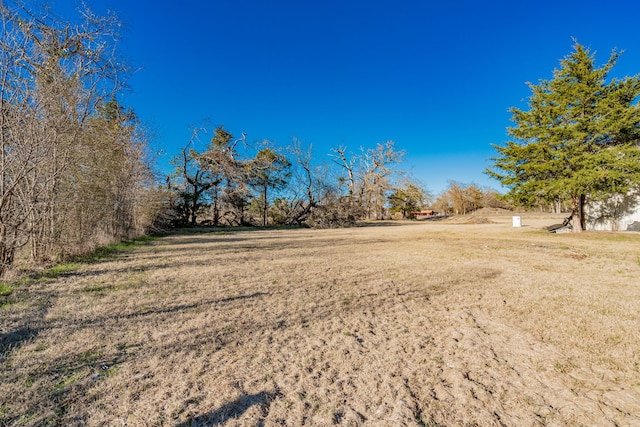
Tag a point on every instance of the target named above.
point(459, 322)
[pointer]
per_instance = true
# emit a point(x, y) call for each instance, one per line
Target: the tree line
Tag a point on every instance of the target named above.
point(230, 181)
point(461, 199)
point(73, 166)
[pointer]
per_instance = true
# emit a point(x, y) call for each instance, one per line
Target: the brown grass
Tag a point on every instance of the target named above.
point(439, 323)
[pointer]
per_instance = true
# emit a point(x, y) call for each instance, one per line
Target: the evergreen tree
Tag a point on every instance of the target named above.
point(268, 170)
point(578, 139)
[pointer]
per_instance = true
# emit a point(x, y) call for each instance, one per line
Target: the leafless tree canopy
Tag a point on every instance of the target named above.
point(260, 184)
point(72, 160)
point(460, 199)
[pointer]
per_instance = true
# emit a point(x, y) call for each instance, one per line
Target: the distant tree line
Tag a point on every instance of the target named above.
point(230, 181)
point(462, 199)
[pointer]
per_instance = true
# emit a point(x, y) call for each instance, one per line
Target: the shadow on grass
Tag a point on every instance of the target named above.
point(382, 223)
point(181, 307)
point(197, 251)
point(63, 379)
point(22, 334)
point(18, 327)
point(63, 383)
point(14, 339)
point(232, 410)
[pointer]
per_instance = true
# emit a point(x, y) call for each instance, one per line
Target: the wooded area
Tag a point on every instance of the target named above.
point(75, 172)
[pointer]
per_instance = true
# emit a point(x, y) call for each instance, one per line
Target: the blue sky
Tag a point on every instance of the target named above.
point(436, 77)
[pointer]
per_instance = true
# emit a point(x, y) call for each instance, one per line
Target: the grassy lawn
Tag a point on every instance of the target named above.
point(467, 321)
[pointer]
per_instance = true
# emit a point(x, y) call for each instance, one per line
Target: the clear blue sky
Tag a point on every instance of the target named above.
point(436, 77)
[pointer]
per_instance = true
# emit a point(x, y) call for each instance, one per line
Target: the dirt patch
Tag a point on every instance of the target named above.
point(415, 325)
point(479, 220)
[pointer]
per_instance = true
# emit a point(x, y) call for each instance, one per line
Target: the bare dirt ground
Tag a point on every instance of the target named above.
point(463, 322)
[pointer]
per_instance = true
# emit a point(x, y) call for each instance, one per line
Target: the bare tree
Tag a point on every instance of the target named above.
point(341, 209)
point(305, 186)
point(348, 163)
point(474, 197)
point(442, 204)
point(461, 199)
point(54, 78)
point(194, 177)
point(367, 179)
point(379, 167)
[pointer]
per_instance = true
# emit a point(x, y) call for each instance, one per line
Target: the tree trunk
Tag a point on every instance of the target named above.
point(583, 222)
point(193, 215)
point(577, 213)
point(265, 207)
point(216, 206)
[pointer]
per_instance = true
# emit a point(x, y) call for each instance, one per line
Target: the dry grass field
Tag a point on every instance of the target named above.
point(463, 322)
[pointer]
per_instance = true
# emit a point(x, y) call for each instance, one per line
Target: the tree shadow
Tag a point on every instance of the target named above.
point(24, 325)
point(143, 315)
point(381, 223)
point(232, 410)
point(14, 339)
point(75, 374)
point(614, 213)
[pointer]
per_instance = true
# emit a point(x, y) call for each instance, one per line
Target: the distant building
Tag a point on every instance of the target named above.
point(618, 213)
point(423, 214)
